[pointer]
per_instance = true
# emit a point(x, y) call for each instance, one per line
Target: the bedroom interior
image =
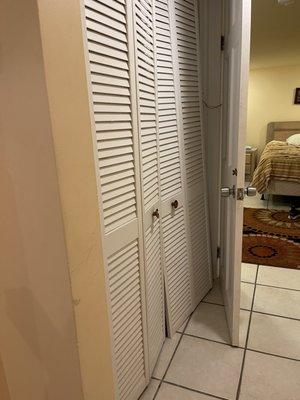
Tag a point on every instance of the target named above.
point(272, 218)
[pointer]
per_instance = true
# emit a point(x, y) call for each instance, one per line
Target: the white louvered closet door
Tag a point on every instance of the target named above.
point(111, 75)
point(148, 137)
point(188, 80)
point(173, 204)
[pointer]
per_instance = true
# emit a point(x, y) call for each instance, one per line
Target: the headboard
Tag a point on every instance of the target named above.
point(282, 130)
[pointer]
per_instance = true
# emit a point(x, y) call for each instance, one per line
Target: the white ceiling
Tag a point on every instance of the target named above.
point(275, 34)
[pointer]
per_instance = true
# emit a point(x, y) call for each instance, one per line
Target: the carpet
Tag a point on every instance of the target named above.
point(271, 238)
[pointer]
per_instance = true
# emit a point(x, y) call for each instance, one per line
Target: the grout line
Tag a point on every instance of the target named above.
point(241, 347)
point(274, 355)
point(195, 390)
point(221, 305)
point(245, 309)
point(156, 379)
point(210, 302)
point(167, 369)
point(275, 315)
point(212, 340)
point(247, 338)
point(277, 287)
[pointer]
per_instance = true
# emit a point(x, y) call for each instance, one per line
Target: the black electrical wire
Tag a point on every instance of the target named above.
point(211, 107)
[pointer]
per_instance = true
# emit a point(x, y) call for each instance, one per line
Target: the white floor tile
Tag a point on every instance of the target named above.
point(209, 321)
point(276, 301)
point(281, 277)
point(171, 392)
point(215, 295)
point(210, 367)
point(249, 272)
point(247, 290)
point(149, 393)
point(275, 335)
point(165, 356)
point(270, 378)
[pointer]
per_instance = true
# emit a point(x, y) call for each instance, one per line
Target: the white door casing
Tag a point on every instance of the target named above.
point(236, 69)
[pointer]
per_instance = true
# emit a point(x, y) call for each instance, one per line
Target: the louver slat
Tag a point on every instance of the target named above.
point(188, 67)
point(112, 107)
point(155, 293)
point(146, 94)
point(108, 56)
point(176, 258)
point(170, 183)
point(126, 309)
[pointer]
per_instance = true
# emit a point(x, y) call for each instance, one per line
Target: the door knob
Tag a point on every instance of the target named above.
point(175, 204)
point(227, 191)
point(155, 214)
point(250, 191)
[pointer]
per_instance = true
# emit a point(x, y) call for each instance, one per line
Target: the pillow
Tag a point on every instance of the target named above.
point(294, 139)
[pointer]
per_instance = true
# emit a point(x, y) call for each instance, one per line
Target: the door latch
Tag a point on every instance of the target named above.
point(227, 191)
point(242, 192)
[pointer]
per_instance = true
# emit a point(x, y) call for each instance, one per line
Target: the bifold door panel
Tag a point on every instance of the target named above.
point(144, 37)
point(113, 98)
point(143, 82)
point(173, 201)
point(185, 16)
point(178, 282)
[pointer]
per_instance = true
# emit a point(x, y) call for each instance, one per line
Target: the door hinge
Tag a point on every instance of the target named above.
point(222, 42)
point(218, 252)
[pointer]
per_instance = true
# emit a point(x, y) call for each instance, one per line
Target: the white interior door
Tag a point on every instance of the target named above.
point(236, 69)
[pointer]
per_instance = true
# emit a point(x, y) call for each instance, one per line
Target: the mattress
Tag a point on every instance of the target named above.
point(279, 161)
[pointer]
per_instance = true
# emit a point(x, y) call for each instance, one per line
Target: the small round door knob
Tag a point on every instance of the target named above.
point(175, 204)
point(250, 191)
point(155, 213)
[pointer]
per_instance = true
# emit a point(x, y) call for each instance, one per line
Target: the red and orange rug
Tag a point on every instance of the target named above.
point(271, 238)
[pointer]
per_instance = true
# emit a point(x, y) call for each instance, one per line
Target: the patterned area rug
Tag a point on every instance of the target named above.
point(271, 238)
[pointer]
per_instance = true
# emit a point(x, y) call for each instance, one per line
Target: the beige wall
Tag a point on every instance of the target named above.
point(38, 341)
point(71, 127)
point(271, 97)
point(4, 391)
point(50, 233)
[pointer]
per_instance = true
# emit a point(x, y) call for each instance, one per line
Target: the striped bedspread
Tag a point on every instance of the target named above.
point(278, 161)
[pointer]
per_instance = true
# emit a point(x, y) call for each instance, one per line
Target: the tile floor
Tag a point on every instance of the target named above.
point(199, 364)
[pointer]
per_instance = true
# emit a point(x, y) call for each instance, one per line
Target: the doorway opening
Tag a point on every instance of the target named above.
point(272, 165)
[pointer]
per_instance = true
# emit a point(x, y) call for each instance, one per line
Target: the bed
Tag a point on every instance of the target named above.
point(278, 171)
